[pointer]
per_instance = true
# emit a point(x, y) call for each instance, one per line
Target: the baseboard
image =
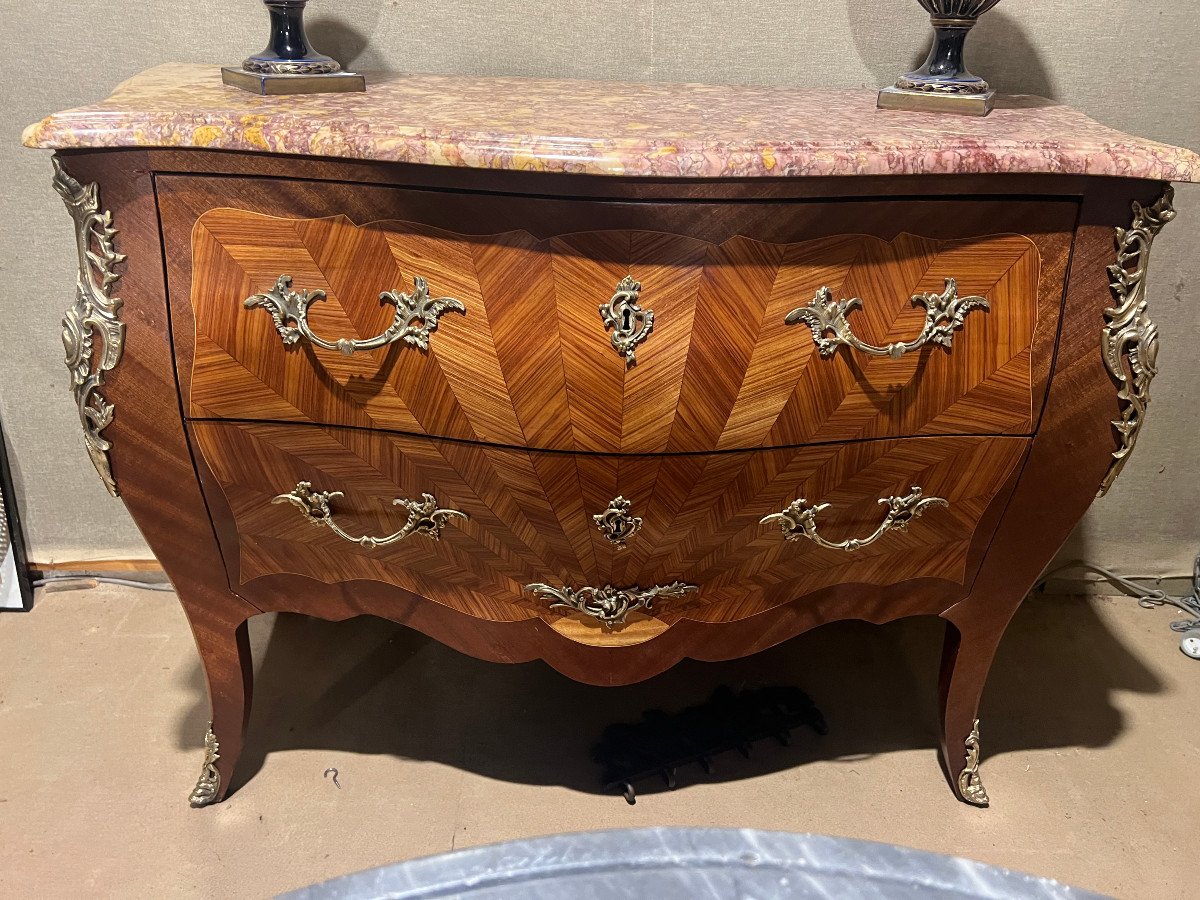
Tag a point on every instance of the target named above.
point(147, 570)
point(150, 571)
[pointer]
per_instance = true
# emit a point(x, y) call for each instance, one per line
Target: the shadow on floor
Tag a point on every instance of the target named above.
point(370, 686)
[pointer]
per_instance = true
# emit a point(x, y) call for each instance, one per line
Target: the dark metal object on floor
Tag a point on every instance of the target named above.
point(659, 744)
point(289, 64)
point(16, 591)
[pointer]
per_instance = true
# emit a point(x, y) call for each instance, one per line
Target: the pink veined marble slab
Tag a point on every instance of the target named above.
point(608, 128)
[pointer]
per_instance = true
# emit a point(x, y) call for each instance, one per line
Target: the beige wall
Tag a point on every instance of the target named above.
point(1130, 65)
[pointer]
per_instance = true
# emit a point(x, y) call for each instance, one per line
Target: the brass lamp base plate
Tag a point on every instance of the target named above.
point(928, 101)
point(258, 83)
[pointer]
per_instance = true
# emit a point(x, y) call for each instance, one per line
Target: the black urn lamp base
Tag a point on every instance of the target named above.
point(289, 64)
point(943, 83)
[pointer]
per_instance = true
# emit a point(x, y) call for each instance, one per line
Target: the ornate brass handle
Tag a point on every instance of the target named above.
point(424, 516)
point(944, 314)
point(416, 316)
point(799, 519)
point(609, 605)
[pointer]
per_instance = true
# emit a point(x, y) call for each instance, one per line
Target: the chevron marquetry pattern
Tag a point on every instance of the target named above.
point(530, 515)
point(530, 364)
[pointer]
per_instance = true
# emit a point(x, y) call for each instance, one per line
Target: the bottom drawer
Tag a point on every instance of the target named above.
point(506, 535)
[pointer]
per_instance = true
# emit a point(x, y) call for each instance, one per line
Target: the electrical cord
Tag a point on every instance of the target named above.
point(1146, 599)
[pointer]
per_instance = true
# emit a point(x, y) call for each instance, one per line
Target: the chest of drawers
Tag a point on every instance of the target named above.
point(680, 390)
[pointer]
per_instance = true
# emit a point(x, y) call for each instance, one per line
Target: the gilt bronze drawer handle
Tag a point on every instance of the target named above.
point(609, 605)
point(629, 323)
point(424, 516)
point(944, 314)
point(799, 519)
point(416, 316)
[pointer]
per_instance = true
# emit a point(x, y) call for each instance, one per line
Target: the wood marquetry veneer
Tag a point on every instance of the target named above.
point(529, 517)
point(528, 364)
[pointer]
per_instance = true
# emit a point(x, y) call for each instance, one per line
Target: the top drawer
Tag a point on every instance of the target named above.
point(612, 327)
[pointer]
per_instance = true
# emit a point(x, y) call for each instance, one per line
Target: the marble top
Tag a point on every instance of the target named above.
point(608, 128)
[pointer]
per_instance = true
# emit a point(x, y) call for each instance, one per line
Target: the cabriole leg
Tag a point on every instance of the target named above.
point(225, 654)
point(966, 658)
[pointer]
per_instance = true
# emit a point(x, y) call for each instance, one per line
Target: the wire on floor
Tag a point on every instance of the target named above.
point(1146, 599)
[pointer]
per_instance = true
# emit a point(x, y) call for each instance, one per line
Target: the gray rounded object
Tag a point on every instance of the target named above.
point(687, 864)
point(1190, 643)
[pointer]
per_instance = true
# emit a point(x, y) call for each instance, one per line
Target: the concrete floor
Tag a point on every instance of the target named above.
point(1090, 742)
